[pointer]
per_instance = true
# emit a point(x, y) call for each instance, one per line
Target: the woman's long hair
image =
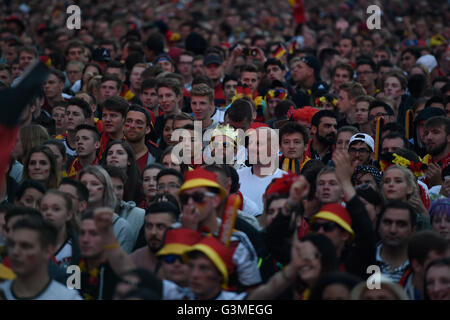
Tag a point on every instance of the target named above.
point(133, 183)
point(54, 176)
point(31, 136)
point(109, 197)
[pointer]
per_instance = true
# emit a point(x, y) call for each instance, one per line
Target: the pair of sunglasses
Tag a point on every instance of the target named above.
point(327, 226)
point(171, 258)
point(198, 197)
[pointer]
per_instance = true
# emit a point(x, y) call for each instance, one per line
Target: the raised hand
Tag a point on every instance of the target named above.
point(344, 170)
point(299, 190)
point(103, 218)
point(190, 217)
point(434, 173)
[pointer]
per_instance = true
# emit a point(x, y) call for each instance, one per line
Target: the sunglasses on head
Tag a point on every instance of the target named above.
point(327, 226)
point(198, 197)
point(171, 258)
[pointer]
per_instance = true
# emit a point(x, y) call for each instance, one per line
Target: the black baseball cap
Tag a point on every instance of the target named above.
point(101, 54)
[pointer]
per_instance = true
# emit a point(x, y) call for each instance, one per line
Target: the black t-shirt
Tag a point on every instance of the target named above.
point(99, 284)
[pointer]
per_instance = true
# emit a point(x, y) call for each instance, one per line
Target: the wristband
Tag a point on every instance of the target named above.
point(113, 246)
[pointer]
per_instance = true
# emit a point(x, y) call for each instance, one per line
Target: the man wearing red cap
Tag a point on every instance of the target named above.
point(176, 242)
point(210, 265)
point(347, 225)
point(202, 199)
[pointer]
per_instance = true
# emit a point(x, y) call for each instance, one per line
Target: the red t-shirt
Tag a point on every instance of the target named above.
point(142, 162)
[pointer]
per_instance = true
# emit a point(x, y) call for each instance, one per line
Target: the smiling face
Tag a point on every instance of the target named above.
point(168, 101)
point(310, 266)
point(39, 167)
point(441, 223)
point(438, 282)
point(202, 107)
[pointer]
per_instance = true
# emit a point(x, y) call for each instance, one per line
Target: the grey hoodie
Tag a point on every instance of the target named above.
point(123, 232)
point(134, 215)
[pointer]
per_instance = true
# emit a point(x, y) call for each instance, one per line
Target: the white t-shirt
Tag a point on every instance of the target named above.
point(172, 291)
point(253, 187)
point(64, 254)
point(54, 291)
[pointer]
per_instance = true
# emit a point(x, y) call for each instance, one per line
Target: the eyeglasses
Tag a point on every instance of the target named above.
point(171, 258)
point(198, 197)
point(170, 185)
point(327, 226)
point(360, 151)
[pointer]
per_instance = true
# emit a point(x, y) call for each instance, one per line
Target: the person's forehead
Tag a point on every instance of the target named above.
point(186, 58)
point(84, 133)
point(68, 188)
point(292, 135)
point(397, 214)
point(168, 178)
point(25, 235)
point(364, 67)
point(377, 109)
point(328, 176)
point(116, 181)
point(108, 83)
point(88, 225)
point(346, 135)
point(159, 217)
point(73, 107)
point(359, 144)
point(231, 82)
point(249, 74)
point(273, 66)
point(132, 114)
point(199, 98)
point(38, 155)
point(278, 203)
point(165, 90)
point(395, 141)
point(328, 120)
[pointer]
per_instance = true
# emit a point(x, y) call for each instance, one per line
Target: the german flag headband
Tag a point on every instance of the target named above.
point(417, 168)
point(276, 93)
point(324, 99)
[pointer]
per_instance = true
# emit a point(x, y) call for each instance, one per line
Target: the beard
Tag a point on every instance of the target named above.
point(137, 138)
point(328, 140)
point(436, 150)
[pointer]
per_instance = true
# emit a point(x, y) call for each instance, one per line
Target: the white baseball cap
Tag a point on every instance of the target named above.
point(364, 138)
point(429, 61)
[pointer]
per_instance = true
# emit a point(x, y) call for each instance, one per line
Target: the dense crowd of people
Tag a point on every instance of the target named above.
point(226, 150)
